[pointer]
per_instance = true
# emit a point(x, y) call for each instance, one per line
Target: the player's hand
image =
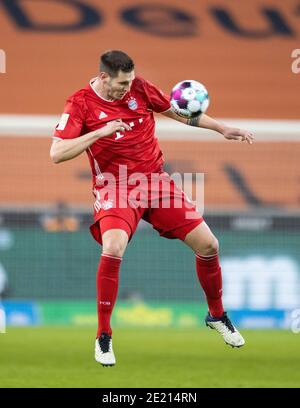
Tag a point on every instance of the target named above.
point(238, 134)
point(112, 127)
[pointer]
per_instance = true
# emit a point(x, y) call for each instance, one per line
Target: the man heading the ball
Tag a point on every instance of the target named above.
point(112, 119)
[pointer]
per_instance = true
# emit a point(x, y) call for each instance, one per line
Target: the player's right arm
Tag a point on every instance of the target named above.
point(67, 149)
point(69, 142)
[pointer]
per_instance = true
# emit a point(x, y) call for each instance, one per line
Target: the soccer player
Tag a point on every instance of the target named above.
point(112, 120)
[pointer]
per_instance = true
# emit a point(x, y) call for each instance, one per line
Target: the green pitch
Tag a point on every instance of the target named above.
point(63, 357)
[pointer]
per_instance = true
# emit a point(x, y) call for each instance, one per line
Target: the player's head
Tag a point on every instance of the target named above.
point(116, 73)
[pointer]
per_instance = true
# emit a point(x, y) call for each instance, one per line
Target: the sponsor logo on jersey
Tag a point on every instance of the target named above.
point(132, 104)
point(102, 115)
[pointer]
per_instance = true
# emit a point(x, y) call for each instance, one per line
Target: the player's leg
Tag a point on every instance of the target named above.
point(205, 245)
point(115, 233)
point(114, 245)
point(185, 223)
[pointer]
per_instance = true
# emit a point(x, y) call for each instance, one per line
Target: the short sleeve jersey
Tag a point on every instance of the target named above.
point(138, 149)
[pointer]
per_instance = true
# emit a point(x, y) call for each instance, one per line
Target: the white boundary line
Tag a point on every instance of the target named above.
point(166, 129)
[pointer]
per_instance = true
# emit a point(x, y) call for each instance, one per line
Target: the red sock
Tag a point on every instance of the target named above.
point(210, 278)
point(107, 290)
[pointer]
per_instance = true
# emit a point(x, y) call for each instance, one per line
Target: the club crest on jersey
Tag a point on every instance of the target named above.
point(132, 103)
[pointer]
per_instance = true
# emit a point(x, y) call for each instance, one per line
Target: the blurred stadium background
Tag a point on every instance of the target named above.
point(242, 54)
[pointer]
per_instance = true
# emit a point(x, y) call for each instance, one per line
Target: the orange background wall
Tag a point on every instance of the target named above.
point(245, 77)
point(271, 170)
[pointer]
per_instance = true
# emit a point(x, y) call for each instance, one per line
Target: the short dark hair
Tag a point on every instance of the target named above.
point(113, 61)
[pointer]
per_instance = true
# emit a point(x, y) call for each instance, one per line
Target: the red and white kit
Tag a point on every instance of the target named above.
point(120, 156)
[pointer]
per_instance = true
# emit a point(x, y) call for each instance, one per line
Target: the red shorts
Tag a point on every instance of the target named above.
point(164, 206)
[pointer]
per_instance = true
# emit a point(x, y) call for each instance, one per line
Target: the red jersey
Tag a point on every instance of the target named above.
point(138, 149)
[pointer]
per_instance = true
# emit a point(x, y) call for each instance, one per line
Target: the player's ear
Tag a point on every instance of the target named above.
point(103, 75)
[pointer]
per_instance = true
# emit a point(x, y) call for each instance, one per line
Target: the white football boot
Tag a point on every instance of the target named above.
point(104, 353)
point(224, 326)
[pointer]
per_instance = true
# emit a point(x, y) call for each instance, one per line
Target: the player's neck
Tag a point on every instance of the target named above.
point(97, 85)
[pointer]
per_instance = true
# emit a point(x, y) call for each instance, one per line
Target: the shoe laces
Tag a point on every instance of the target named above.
point(104, 342)
point(225, 319)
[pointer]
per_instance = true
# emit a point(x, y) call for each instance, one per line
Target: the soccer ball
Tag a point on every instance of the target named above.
point(189, 98)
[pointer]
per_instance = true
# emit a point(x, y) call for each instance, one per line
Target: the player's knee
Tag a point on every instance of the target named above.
point(114, 247)
point(211, 247)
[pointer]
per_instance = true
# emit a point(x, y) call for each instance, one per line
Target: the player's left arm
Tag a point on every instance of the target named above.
point(205, 121)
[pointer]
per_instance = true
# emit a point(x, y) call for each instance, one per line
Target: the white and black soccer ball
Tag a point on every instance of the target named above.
point(189, 98)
